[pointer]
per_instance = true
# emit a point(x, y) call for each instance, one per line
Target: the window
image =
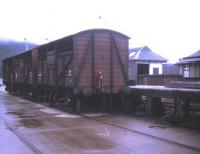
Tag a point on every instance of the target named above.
point(155, 71)
point(186, 71)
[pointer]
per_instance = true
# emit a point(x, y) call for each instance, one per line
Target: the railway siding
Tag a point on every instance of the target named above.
point(51, 130)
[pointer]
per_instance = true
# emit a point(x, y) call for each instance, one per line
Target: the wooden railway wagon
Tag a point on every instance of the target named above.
point(90, 64)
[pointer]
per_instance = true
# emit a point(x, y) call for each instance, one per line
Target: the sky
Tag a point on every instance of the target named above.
point(170, 28)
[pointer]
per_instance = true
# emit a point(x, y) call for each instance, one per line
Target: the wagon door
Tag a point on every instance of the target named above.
point(83, 63)
point(28, 68)
point(64, 63)
point(119, 62)
point(42, 69)
point(51, 66)
point(111, 52)
point(101, 61)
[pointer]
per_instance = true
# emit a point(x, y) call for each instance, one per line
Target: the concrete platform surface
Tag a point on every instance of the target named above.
point(50, 131)
point(10, 143)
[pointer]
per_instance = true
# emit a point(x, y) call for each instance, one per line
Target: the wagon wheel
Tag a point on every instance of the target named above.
point(46, 95)
point(100, 101)
point(77, 104)
point(51, 98)
point(124, 100)
point(129, 103)
point(109, 103)
point(104, 101)
point(55, 96)
point(40, 93)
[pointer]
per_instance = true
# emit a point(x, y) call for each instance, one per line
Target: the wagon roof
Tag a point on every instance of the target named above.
point(101, 29)
point(90, 30)
point(85, 31)
point(71, 36)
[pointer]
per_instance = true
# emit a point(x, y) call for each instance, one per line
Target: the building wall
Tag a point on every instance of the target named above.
point(132, 70)
point(155, 65)
point(197, 70)
point(181, 70)
point(133, 66)
point(171, 69)
point(190, 70)
point(157, 79)
point(192, 73)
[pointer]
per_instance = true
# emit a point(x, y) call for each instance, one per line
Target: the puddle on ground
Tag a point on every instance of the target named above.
point(21, 114)
point(67, 116)
point(95, 114)
point(158, 126)
point(17, 98)
point(21, 101)
point(82, 139)
point(38, 106)
point(49, 110)
point(30, 123)
point(59, 113)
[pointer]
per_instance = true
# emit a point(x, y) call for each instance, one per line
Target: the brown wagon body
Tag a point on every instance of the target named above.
point(87, 63)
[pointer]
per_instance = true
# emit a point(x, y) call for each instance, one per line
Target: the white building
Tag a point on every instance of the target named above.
point(189, 67)
point(142, 61)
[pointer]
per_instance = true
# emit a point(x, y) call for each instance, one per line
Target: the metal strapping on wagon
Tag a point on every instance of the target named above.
point(68, 68)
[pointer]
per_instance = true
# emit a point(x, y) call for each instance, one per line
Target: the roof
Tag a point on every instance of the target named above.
point(74, 35)
point(134, 50)
point(145, 54)
point(101, 29)
point(188, 60)
point(196, 54)
point(89, 30)
point(193, 58)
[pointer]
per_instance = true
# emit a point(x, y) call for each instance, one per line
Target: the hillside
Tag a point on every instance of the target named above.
point(10, 47)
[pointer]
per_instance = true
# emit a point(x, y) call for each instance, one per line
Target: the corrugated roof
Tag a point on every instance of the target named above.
point(144, 54)
point(134, 50)
point(193, 58)
point(196, 54)
point(188, 61)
